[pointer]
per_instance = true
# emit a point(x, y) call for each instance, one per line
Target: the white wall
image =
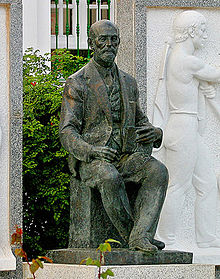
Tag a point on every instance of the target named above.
point(36, 25)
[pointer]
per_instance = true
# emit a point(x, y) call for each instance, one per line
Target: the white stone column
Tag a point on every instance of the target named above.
point(7, 259)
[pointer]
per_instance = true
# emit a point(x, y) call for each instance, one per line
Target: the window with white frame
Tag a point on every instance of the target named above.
point(62, 15)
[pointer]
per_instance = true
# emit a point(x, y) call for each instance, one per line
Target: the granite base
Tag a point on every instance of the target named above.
point(121, 256)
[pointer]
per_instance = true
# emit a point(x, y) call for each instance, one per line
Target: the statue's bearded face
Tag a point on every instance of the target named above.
point(105, 44)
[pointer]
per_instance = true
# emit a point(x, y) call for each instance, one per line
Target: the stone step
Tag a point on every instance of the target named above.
point(182, 271)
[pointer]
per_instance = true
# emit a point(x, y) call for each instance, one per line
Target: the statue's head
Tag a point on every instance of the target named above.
point(104, 41)
point(190, 24)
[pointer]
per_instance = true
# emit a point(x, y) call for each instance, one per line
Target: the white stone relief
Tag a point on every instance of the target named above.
point(186, 90)
point(7, 259)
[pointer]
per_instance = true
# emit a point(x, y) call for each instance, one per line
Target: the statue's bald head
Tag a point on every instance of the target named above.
point(99, 26)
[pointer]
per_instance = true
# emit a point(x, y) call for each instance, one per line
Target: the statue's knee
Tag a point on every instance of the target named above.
point(161, 171)
point(111, 179)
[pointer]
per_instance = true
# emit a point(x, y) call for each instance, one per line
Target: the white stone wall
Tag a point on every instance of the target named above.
point(36, 25)
point(7, 260)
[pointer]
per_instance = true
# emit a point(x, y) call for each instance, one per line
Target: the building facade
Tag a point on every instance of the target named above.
point(50, 24)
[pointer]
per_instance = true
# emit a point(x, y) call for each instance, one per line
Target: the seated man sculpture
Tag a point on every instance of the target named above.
point(110, 141)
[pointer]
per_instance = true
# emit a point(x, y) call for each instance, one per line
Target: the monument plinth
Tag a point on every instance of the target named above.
point(121, 256)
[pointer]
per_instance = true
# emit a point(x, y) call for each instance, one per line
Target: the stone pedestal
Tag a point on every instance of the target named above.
point(89, 222)
point(120, 256)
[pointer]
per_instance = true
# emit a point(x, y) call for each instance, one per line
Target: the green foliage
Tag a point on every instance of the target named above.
point(45, 169)
point(16, 239)
point(107, 273)
point(102, 249)
point(63, 62)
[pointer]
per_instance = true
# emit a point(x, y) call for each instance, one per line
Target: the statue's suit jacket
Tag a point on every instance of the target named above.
point(86, 119)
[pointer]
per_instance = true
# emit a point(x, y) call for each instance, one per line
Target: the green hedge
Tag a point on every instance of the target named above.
point(45, 170)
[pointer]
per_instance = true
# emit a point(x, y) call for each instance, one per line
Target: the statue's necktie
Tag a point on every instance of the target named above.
point(108, 78)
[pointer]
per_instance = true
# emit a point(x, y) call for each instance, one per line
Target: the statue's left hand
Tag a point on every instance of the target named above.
point(148, 134)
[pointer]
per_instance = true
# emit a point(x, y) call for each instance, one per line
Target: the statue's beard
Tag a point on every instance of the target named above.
point(106, 56)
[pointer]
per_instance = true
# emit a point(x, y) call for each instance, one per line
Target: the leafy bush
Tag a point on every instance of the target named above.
point(45, 170)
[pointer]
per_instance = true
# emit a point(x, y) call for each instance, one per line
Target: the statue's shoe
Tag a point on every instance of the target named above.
point(142, 244)
point(214, 243)
point(159, 244)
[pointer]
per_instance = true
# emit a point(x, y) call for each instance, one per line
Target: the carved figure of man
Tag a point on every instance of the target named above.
point(99, 118)
point(189, 82)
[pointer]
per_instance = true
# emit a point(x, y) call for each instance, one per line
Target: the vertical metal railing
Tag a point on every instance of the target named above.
point(64, 21)
point(88, 25)
point(109, 5)
point(56, 24)
point(98, 2)
point(67, 24)
point(77, 26)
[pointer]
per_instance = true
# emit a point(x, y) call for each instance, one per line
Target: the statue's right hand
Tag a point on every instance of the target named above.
point(106, 153)
point(207, 89)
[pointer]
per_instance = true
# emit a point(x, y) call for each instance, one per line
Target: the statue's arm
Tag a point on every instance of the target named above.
point(204, 71)
point(147, 132)
point(71, 122)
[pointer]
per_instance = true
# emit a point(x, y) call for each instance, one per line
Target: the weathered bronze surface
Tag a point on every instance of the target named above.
point(110, 142)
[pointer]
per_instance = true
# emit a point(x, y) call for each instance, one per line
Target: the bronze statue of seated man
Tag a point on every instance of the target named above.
point(110, 141)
